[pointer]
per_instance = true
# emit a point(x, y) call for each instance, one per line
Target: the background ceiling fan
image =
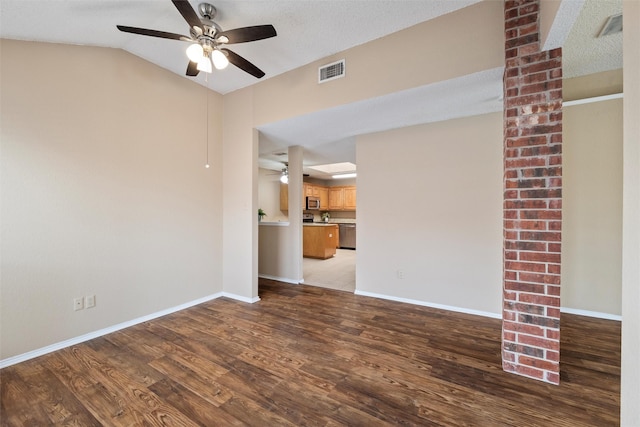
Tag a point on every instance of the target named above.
point(208, 39)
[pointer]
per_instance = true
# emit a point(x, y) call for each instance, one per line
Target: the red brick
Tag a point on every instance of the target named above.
point(524, 328)
point(555, 247)
point(552, 377)
point(547, 365)
point(553, 268)
point(526, 141)
point(553, 290)
point(554, 334)
point(525, 266)
point(547, 279)
point(525, 246)
point(552, 355)
point(540, 214)
point(539, 342)
point(539, 257)
point(546, 236)
point(524, 287)
point(552, 301)
point(523, 370)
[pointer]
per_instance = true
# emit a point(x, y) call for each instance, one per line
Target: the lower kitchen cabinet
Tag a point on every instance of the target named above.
point(319, 241)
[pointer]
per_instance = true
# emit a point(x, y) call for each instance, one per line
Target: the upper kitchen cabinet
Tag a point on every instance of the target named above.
point(342, 198)
point(331, 198)
point(350, 198)
point(324, 198)
point(284, 197)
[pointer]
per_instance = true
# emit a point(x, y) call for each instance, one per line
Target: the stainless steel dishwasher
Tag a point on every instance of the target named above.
point(347, 236)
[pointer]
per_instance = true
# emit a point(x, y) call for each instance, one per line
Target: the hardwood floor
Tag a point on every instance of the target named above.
point(311, 356)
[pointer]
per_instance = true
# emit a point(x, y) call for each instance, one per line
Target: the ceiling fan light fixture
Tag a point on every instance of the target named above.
point(204, 64)
point(219, 59)
point(285, 176)
point(195, 52)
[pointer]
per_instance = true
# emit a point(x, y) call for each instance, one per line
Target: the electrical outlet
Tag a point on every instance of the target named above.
point(400, 274)
point(90, 301)
point(78, 304)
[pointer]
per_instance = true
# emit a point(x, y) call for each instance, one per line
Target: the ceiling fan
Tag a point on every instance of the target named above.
point(208, 39)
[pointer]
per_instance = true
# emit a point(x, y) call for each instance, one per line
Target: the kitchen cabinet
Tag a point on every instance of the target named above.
point(284, 197)
point(342, 198)
point(324, 198)
point(319, 240)
point(336, 198)
point(349, 198)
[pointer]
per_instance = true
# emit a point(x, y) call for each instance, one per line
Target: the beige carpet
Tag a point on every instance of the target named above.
point(338, 272)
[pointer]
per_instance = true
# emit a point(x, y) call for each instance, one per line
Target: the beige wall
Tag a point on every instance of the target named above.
point(240, 196)
point(456, 53)
point(630, 392)
point(104, 191)
point(430, 204)
point(269, 195)
point(592, 207)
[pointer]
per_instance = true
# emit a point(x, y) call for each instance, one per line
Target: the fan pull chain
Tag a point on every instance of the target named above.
point(206, 81)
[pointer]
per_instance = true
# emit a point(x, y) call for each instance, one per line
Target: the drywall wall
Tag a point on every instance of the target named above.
point(240, 196)
point(104, 191)
point(592, 207)
point(430, 205)
point(269, 195)
point(280, 246)
point(407, 59)
point(630, 378)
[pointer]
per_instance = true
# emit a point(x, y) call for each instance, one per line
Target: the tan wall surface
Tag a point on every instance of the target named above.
point(399, 61)
point(592, 207)
point(240, 196)
point(104, 191)
point(430, 204)
point(630, 378)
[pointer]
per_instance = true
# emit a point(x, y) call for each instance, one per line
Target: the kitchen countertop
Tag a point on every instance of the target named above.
point(317, 224)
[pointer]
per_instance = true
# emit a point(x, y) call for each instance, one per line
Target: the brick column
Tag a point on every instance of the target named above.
point(532, 197)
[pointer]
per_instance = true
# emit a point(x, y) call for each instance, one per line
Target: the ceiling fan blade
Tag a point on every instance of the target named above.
point(192, 69)
point(188, 13)
point(249, 34)
point(154, 33)
point(243, 64)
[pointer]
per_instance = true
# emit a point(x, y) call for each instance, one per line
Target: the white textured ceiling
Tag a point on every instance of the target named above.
point(309, 30)
point(586, 53)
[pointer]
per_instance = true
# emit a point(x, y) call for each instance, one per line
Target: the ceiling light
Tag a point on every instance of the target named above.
point(285, 176)
point(205, 65)
point(219, 59)
point(344, 175)
point(195, 52)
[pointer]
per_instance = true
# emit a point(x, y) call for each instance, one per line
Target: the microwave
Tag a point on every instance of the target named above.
point(313, 204)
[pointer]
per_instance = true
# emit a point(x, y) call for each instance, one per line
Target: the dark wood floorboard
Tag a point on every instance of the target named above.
point(311, 356)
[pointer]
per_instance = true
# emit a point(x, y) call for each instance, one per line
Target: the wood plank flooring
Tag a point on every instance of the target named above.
point(311, 356)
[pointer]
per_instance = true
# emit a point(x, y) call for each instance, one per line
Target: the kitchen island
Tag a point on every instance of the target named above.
point(319, 240)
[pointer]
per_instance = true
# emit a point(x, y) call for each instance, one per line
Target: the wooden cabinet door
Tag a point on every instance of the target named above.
point(307, 190)
point(336, 198)
point(284, 197)
point(349, 197)
point(323, 194)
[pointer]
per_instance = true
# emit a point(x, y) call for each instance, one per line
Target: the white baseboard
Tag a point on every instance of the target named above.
point(281, 279)
point(588, 313)
point(86, 337)
point(430, 304)
point(240, 297)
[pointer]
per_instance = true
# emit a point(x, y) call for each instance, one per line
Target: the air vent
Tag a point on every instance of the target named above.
point(612, 26)
point(331, 71)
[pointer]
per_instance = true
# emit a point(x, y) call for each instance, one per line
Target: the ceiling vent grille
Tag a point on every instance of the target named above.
point(612, 26)
point(332, 71)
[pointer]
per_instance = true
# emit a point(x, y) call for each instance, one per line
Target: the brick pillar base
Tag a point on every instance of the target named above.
point(532, 198)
